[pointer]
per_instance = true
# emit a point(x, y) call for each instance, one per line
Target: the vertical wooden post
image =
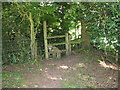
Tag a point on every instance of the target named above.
point(116, 58)
point(35, 49)
point(45, 39)
point(67, 44)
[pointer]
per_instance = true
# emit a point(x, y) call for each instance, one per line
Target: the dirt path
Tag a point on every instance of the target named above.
point(73, 69)
point(52, 75)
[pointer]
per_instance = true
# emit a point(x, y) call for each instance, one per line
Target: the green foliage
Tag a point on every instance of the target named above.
point(78, 80)
point(104, 26)
point(101, 20)
point(16, 51)
point(55, 58)
point(12, 79)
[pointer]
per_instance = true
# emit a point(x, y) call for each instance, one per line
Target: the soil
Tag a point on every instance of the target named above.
point(53, 72)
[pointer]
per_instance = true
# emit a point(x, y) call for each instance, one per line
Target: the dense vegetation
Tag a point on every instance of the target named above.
point(23, 27)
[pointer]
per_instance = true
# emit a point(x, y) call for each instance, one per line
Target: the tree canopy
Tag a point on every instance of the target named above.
point(99, 22)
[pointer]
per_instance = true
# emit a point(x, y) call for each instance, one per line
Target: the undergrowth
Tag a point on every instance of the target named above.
point(12, 79)
point(77, 80)
point(15, 79)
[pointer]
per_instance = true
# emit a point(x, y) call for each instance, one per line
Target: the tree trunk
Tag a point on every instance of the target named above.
point(33, 44)
point(85, 36)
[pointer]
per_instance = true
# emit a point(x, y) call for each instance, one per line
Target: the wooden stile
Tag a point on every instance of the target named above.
point(67, 42)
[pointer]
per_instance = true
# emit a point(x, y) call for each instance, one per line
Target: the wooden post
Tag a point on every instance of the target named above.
point(45, 39)
point(35, 49)
point(67, 44)
point(116, 58)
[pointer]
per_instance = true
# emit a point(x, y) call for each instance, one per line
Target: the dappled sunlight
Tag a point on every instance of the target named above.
point(55, 78)
point(73, 68)
point(82, 65)
point(63, 67)
point(41, 69)
point(60, 45)
point(51, 64)
point(103, 64)
point(45, 70)
point(110, 77)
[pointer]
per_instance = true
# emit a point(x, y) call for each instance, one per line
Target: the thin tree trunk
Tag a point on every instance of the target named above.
point(33, 44)
point(85, 36)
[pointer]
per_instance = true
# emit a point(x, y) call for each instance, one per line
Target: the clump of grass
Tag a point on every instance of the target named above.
point(77, 80)
point(34, 66)
point(12, 79)
point(69, 84)
point(55, 58)
point(89, 56)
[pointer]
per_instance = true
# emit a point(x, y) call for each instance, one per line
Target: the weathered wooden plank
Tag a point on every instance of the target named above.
point(71, 42)
point(45, 39)
point(56, 44)
point(53, 52)
point(55, 36)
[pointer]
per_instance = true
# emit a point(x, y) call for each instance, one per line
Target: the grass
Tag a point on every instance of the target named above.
point(78, 80)
point(71, 85)
point(31, 66)
point(12, 79)
point(55, 58)
point(86, 55)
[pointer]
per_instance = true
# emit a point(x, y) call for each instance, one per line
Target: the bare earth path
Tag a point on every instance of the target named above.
point(55, 72)
point(52, 75)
